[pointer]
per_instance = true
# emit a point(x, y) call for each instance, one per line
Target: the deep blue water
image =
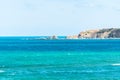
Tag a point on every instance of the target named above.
point(28, 58)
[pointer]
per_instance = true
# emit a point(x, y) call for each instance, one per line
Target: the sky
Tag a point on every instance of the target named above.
point(56, 17)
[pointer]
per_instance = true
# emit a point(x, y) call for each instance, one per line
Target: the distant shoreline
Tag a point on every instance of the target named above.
point(53, 38)
point(99, 34)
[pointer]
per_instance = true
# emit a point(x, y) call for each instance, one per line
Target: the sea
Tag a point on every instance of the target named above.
point(31, 58)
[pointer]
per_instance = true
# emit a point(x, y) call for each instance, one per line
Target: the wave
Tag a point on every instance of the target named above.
point(116, 64)
point(2, 71)
point(76, 71)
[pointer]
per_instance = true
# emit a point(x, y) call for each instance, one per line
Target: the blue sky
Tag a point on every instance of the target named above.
point(56, 17)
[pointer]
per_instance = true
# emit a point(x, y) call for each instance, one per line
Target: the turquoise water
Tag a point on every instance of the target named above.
point(24, 59)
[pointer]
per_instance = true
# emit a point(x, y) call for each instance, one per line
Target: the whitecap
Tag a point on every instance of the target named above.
point(83, 71)
point(1, 71)
point(116, 64)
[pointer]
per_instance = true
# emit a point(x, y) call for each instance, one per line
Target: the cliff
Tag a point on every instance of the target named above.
point(101, 33)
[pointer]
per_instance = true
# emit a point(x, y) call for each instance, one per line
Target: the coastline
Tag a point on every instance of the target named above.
point(57, 38)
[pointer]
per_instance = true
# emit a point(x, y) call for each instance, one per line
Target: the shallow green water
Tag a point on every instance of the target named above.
point(19, 65)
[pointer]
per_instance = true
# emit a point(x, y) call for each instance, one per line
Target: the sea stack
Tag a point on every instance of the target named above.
point(53, 37)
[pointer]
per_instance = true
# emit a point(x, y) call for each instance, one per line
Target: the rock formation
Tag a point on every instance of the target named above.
point(101, 33)
point(88, 34)
point(52, 37)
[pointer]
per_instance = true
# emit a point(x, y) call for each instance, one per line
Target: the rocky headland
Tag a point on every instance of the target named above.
point(100, 34)
point(108, 33)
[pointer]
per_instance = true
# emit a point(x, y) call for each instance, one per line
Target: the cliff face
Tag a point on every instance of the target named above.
point(101, 33)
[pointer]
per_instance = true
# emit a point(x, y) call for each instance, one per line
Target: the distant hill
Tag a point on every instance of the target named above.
point(100, 33)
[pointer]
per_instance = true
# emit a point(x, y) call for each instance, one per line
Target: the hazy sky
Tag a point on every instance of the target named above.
point(59, 17)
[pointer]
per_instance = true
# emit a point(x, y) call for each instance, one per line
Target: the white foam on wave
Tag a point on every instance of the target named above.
point(1, 71)
point(116, 64)
point(83, 71)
